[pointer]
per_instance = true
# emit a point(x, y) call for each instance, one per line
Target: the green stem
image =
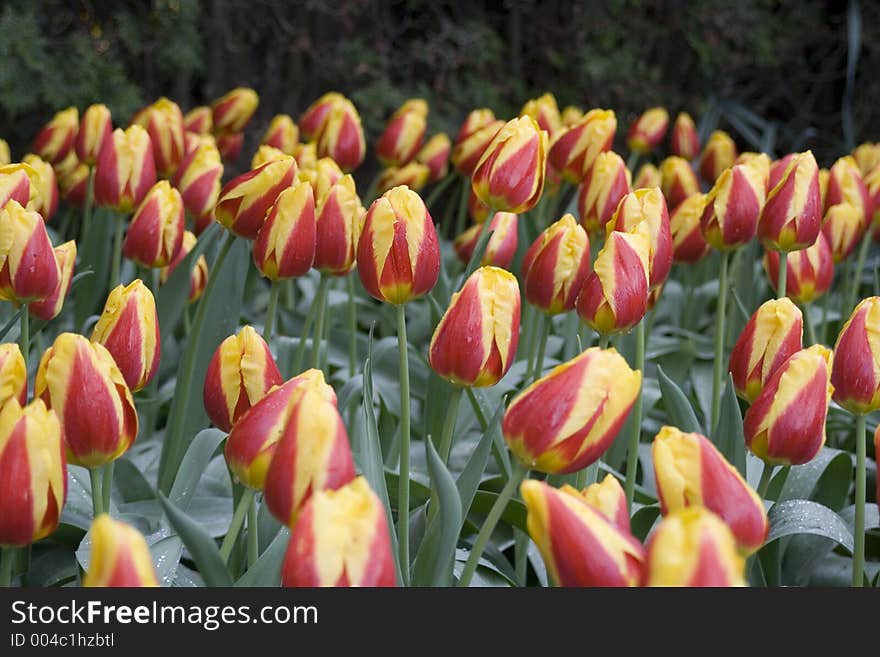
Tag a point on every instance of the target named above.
point(857, 276)
point(531, 334)
point(632, 161)
point(479, 248)
point(808, 324)
point(521, 555)
point(253, 535)
point(766, 476)
point(859, 546)
point(352, 326)
point(546, 323)
point(604, 340)
point(438, 190)
point(271, 310)
point(403, 481)
point(632, 456)
point(783, 275)
point(95, 475)
point(241, 510)
point(320, 314)
point(719, 340)
point(461, 214)
point(290, 294)
point(825, 301)
point(187, 322)
point(306, 329)
point(116, 261)
point(7, 556)
point(24, 340)
point(87, 208)
point(107, 486)
point(516, 477)
point(449, 422)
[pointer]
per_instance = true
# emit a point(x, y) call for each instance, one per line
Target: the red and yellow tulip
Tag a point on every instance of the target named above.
point(56, 139)
point(285, 246)
point(95, 129)
point(403, 134)
point(28, 269)
point(163, 121)
point(46, 185)
point(120, 556)
point(199, 120)
point(501, 246)
point(846, 185)
point(609, 499)
point(155, 233)
point(125, 170)
point(48, 308)
point(435, 155)
point(677, 180)
point(733, 206)
point(719, 154)
point(856, 371)
point(13, 374)
point(574, 150)
point(198, 277)
point(843, 227)
point(685, 225)
point(556, 266)
point(648, 206)
point(473, 139)
point(414, 175)
point(545, 111)
point(340, 218)
point(312, 121)
point(245, 200)
point(810, 271)
point(342, 136)
point(607, 181)
point(282, 134)
point(198, 180)
point(231, 112)
point(647, 131)
point(684, 140)
point(792, 215)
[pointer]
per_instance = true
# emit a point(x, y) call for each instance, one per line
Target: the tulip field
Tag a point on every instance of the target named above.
point(554, 350)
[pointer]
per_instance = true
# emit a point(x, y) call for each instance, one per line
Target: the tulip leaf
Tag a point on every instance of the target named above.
point(468, 481)
point(267, 570)
point(94, 253)
point(793, 517)
point(201, 546)
point(51, 568)
point(12, 322)
point(199, 453)
point(131, 483)
point(729, 436)
point(826, 479)
point(514, 513)
point(678, 408)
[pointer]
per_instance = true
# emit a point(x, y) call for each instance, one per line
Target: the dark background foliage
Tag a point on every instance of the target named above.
point(774, 73)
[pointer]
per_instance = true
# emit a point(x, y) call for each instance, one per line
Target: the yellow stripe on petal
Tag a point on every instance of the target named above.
point(499, 291)
point(799, 369)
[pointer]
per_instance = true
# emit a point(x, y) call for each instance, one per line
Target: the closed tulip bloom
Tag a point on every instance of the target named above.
point(341, 539)
point(403, 134)
point(245, 200)
point(474, 121)
point(872, 184)
point(198, 180)
point(73, 180)
point(810, 271)
point(240, 373)
point(843, 227)
point(607, 181)
point(647, 176)
point(684, 140)
point(677, 180)
point(475, 342)
point(792, 214)
point(125, 170)
point(199, 120)
point(16, 185)
point(56, 139)
point(13, 374)
point(81, 382)
point(693, 547)
point(46, 184)
point(867, 156)
point(556, 266)
point(312, 121)
point(846, 185)
point(232, 112)
point(156, 230)
point(573, 151)
point(285, 245)
point(614, 297)
point(342, 137)
point(501, 246)
point(50, 307)
point(647, 205)
point(570, 115)
point(322, 175)
point(545, 111)
point(339, 224)
point(760, 162)
point(591, 397)
point(646, 133)
point(824, 175)
point(28, 270)
point(33, 473)
point(719, 154)
point(856, 375)
point(414, 175)
point(733, 206)
point(229, 144)
point(608, 498)
point(785, 425)
point(688, 243)
point(163, 121)
point(435, 155)
point(120, 556)
point(398, 253)
point(252, 442)
point(198, 277)
point(265, 154)
point(579, 545)
point(95, 129)
point(282, 134)
point(469, 150)
point(690, 471)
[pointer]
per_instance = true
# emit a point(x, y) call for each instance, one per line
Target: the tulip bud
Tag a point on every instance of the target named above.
point(198, 277)
point(571, 114)
point(647, 176)
point(475, 342)
point(265, 154)
point(341, 539)
point(282, 134)
point(854, 375)
point(95, 130)
point(285, 245)
point(760, 162)
point(810, 271)
point(229, 145)
point(677, 180)
point(773, 333)
point(50, 307)
point(46, 186)
point(684, 141)
point(55, 140)
point(414, 175)
point(435, 155)
point(312, 121)
point(578, 544)
point(786, 423)
point(867, 157)
point(608, 498)
point(693, 547)
point(688, 243)
point(338, 228)
point(591, 396)
point(646, 133)
point(198, 179)
point(690, 471)
point(33, 472)
point(501, 246)
point(574, 150)
point(5, 155)
point(125, 170)
point(73, 180)
point(81, 382)
point(607, 181)
point(322, 175)
point(719, 154)
point(733, 206)
point(845, 185)
point(13, 374)
point(245, 200)
point(556, 266)
point(872, 184)
point(163, 121)
point(475, 120)
point(28, 270)
point(16, 185)
point(469, 149)
point(843, 227)
point(253, 440)
point(545, 112)
point(398, 253)
point(614, 297)
point(120, 556)
point(342, 137)
point(647, 205)
point(156, 230)
point(792, 214)
point(231, 112)
point(404, 133)
point(199, 120)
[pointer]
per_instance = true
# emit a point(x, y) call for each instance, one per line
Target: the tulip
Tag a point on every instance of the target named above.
point(854, 377)
point(198, 179)
point(163, 121)
point(155, 233)
point(338, 228)
point(607, 181)
point(322, 175)
point(792, 215)
point(398, 253)
point(199, 120)
point(647, 176)
point(125, 170)
point(759, 162)
point(282, 134)
point(647, 205)
point(342, 137)
point(265, 154)
point(475, 342)
point(16, 185)
point(688, 243)
point(229, 145)
point(845, 185)
point(13, 374)
point(733, 206)
point(693, 547)
point(475, 120)
point(570, 115)
point(556, 266)
point(824, 175)
point(312, 121)
point(73, 180)
point(56, 139)
point(28, 269)
point(232, 112)
point(614, 297)
point(469, 148)
point(341, 539)
point(414, 175)
point(5, 155)
point(684, 140)
point(843, 227)
point(677, 180)
point(607, 497)
point(719, 154)
point(501, 246)
point(435, 155)
point(574, 150)
point(786, 423)
point(591, 395)
point(95, 130)
point(120, 556)
point(578, 544)
point(404, 133)
point(33, 472)
point(867, 156)
point(810, 271)
point(646, 133)
point(46, 185)
point(50, 307)
point(545, 111)
point(872, 184)
point(199, 273)
point(285, 245)
point(245, 200)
